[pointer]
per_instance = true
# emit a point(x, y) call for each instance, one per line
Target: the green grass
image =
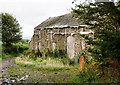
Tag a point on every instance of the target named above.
point(39, 70)
point(40, 64)
point(39, 76)
point(10, 55)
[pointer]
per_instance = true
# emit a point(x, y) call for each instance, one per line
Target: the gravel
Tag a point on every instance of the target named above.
point(6, 64)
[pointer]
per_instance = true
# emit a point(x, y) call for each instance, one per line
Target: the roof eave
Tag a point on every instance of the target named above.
point(60, 27)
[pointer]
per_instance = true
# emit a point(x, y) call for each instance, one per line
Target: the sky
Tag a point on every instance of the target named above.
point(31, 13)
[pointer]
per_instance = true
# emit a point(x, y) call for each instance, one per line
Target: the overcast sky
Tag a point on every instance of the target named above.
point(31, 13)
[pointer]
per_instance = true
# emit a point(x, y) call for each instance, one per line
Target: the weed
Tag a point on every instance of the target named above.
point(51, 64)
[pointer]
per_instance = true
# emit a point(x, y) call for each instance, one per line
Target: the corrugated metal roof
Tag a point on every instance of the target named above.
point(66, 20)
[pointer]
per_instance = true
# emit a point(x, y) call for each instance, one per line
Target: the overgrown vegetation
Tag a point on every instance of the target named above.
point(45, 58)
point(104, 72)
point(15, 50)
point(43, 65)
point(40, 64)
point(104, 19)
point(11, 35)
point(100, 73)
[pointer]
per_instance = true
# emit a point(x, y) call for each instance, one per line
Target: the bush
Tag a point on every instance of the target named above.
point(33, 53)
point(59, 53)
point(99, 73)
point(72, 61)
point(16, 47)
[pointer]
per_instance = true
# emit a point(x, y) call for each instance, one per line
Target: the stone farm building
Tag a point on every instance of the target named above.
point(62, 32)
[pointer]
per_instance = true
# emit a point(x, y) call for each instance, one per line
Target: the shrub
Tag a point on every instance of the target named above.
point(100, 73)
point(33, 53)
point(16, 47)
point(59, 53)
point(48, 53)
point(55, 53)
point(72, 61)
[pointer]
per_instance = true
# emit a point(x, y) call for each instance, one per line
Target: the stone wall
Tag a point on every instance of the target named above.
point(67, 38)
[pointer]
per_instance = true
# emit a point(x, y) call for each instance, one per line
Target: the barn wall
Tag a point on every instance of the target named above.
point(57, 39)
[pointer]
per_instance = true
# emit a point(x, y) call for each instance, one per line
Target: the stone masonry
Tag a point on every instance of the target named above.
point(62, 32)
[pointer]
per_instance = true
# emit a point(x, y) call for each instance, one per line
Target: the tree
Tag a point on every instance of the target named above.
point(11, 30)
point(104, 17)
point(0, 27)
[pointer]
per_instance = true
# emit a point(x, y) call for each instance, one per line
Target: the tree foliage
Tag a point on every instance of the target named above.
point(11, 30)
point(0, 27)
point(104, 19)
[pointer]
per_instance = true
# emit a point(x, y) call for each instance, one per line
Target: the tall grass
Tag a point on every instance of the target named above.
point(45, 59)
point(46, 54)
point(49, 64)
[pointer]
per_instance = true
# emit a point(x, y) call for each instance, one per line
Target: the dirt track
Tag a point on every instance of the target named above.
point(6, 64)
